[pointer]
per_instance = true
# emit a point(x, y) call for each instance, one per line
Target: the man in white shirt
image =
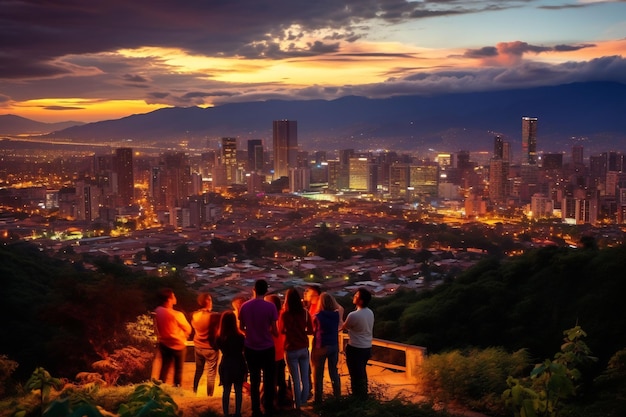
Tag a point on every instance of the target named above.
point(360, 325)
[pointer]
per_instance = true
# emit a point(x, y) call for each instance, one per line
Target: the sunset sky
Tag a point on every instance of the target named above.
point(90, 60)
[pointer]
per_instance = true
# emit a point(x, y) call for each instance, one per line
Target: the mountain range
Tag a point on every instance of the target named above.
point(589, 113)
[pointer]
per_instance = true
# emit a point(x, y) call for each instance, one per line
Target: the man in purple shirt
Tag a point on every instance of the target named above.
point(257, 319)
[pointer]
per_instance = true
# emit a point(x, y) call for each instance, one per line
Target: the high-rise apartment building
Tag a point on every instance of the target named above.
point(359, 173)
point(228, 158)
point(398, 180)
point(577, 154)
point(256, 161)
point(498, 179)
point(498, 147)
point(285, 146)
point(124, 170)
point(529, 140)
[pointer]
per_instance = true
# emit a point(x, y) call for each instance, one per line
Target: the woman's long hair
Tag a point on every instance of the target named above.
point(293, 303)
point(228, 325)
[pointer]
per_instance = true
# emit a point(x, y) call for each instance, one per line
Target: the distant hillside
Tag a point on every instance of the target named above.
point(594, 111)
point(16, 125)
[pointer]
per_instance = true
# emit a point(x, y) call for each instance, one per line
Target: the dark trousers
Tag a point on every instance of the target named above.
point(169, 356)
point(281, 381)
point(356, 359)
point(261, 361)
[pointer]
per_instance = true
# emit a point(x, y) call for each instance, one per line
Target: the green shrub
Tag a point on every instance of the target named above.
point(473, 378)
point(149, 399)
point(553, 383)
point(7, 366)
point(374, 406)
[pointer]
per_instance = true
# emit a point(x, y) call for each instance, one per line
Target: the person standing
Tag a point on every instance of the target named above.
point(257, 319)
point(295, 323)
point(232, 367)
point(279, 358)
point(173, 329)
point(326, 346)
point(206, 324)
point(360, 326)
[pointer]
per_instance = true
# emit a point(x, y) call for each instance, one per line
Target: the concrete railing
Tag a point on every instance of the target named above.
point(392, 355)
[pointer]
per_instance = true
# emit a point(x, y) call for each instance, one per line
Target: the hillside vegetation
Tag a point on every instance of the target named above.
point(67, 319)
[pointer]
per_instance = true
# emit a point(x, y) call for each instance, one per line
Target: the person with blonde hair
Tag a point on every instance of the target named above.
point(326, 346)
point(205, 322)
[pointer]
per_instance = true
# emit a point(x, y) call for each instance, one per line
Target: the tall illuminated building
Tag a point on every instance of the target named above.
point(124, 171)
point(529, 140)
point(285, 146)
point(498, 147)
point(229, 158)
point(398, 180)
point(359, 173)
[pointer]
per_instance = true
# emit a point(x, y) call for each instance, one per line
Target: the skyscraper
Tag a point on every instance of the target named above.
point(577, 154)
point(229, 158)
point(124, 169)
point(285, 146)
point(255, 155)
point(529, 140)
point(498, 147)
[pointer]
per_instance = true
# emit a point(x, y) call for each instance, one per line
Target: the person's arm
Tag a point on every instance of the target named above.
point(346, 324)
point(183, 323)
point(274, 328)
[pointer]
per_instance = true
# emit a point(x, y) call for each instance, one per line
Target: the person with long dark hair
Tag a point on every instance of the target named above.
point(232, 367)
point(295, 323)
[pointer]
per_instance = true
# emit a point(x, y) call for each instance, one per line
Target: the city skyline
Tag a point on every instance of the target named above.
point(109, 60)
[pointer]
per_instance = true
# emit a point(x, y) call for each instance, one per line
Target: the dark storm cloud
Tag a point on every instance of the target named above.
point(527, 74)
point(135, 78)
point(158, 95)
point(518, 49)
point(202, 94)
point(34, 33)
point(61, 108)
point(567, 48)
point(487, 51)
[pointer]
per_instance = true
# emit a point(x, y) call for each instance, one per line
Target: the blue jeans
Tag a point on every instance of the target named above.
point(318, 359)
point(298, 364)
point(208, 357)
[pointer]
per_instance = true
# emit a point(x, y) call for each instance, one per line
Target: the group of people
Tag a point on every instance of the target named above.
point(262, 337)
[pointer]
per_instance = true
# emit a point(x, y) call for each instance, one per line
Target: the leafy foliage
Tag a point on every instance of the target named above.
point(517, 303)
point(552, 382)
point(122, 362)
point(149, 400)
point(472, 378)
point(7, 367)
point(376, 407)
point(70, 317)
